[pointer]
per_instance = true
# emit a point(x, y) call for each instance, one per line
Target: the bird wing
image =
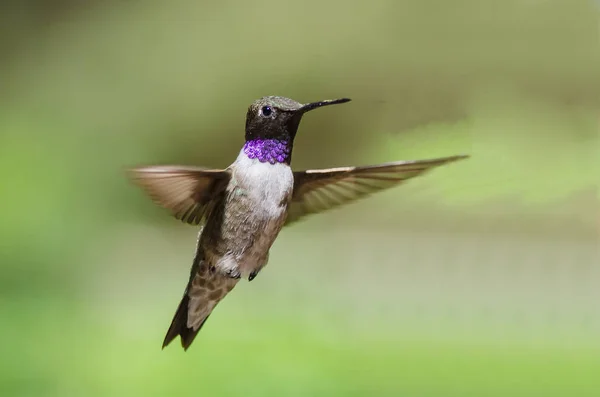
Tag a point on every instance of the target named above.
point(188, 192)
point(319, 190)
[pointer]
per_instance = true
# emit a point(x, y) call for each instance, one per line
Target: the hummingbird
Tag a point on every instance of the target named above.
point(241, 209)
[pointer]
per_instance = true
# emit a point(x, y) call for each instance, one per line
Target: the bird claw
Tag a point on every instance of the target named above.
point(253, 275)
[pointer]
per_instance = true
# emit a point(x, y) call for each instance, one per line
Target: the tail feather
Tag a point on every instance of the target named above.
point(205, 289)
point(179, 326)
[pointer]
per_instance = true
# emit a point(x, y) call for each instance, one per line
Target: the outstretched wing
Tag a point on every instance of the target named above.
point(319, 190)
point(187, 192)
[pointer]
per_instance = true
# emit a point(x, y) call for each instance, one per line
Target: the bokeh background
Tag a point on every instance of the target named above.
point(480, 279)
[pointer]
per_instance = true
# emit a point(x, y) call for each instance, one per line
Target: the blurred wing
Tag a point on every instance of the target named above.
point(320, 190)
point(188, 192)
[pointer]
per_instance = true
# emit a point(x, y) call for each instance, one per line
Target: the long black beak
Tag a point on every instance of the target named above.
point(314, 105)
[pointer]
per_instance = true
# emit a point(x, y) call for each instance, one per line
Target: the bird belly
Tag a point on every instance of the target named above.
point(248, 248)
point(254, 213)
point(256, 256)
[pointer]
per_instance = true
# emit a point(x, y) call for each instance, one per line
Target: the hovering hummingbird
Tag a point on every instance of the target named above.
point(242, 208)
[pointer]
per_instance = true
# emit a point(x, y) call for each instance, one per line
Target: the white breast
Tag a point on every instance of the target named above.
point(267, 188)
point(267, 185)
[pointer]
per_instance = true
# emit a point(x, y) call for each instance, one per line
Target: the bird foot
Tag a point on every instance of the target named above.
point(253, 275)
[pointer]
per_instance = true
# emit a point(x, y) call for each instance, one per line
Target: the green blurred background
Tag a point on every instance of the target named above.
point(480, 279)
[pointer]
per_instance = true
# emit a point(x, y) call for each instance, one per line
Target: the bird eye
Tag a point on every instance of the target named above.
point(266, 111)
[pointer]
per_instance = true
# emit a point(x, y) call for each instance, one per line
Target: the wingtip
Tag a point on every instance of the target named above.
point(130, 172)
point(140, 169)
point(460, 157)
point(450, 159)
point(136, 173)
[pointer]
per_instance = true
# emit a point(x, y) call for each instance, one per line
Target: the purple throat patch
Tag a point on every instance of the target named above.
point(268, 150)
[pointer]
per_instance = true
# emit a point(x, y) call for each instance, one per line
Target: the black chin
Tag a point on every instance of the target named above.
point(293, 124)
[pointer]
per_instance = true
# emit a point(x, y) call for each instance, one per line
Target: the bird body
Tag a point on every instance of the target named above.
point(241, 233)
point(243, 208)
